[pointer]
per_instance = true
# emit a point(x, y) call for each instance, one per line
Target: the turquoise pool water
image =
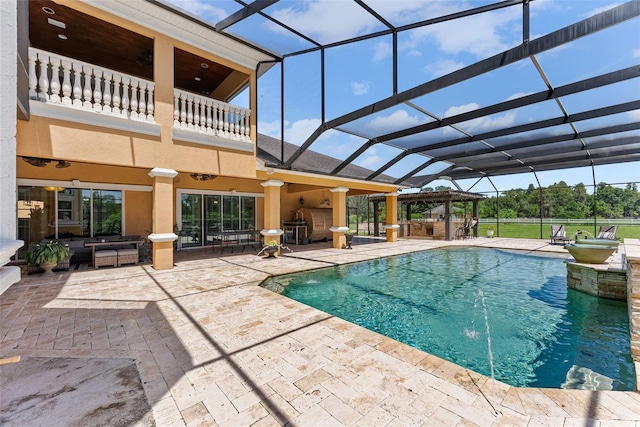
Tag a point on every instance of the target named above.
point(440, 301)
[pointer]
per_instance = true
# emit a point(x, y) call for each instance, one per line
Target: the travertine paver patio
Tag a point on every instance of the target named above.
point(213, 348)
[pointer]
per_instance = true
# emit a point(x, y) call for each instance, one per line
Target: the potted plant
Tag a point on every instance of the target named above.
point(271, 248)
point(490, 231)
point(349, 236)
point(47, 254)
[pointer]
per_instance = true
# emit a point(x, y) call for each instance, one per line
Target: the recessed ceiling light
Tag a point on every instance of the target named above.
point(62, 36)
point(57, 23)
point(204, 65)
point(198, 79)
point(48, 10)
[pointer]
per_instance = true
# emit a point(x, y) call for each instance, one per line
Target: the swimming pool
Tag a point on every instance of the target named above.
point(540, 334)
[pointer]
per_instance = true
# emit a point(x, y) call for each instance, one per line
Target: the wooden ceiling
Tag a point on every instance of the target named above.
point(98, 42)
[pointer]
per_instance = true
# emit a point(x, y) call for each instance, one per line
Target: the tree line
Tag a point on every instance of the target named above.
point(558, 200)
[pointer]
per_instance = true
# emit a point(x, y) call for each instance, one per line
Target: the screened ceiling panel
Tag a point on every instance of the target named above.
point(384, 122)
point(280, 39)
point(449, 88)
point(505, 83)
point(592, 55)
point(617, 93)
point(346, 18)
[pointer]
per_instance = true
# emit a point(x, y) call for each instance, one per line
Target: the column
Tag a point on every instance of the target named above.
point(476, 215)
point(392, 226)
point(8, 95)
point(339, 203)
point(163, 218)
point(447, 221)
point(376, 219)
point(163, 67)
point(272, 230)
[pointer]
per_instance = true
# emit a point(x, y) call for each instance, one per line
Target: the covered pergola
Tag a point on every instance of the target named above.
point(447, 197)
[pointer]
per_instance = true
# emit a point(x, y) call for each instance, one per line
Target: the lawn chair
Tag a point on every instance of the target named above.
point(607, 232)
point(559, 234)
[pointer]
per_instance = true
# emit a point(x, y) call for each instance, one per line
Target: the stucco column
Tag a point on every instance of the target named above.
point(163, 218)
point(339, 203)
point(163, 67)
point(272, 230)
point(8, 94)
point(392, 226)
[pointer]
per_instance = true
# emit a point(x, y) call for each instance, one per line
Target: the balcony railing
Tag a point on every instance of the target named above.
point(209, 116)
point(60, 80)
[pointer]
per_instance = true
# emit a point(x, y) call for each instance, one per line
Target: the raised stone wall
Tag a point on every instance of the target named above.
point(595, 281)
point(632, 252)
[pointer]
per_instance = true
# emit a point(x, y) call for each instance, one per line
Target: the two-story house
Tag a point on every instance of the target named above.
point(126, 124)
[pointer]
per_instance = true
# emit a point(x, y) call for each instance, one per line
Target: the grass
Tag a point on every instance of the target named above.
point(532, 231)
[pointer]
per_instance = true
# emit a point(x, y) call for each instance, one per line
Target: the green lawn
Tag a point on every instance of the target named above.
point(532, 231)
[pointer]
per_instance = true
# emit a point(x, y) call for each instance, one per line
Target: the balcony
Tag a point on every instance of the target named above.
point(73, 90)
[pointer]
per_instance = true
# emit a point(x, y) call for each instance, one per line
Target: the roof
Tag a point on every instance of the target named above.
point(432, 196)
point(586, 114)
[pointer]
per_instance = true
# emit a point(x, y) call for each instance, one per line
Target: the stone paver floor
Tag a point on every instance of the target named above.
point(213, 348)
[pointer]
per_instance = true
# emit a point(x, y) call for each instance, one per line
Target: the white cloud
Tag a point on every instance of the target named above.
point(454, 111)
point(443, 67)
point(480, 35)
point(270, 128)
point(310, 17)
point(382, 50)
point(635, 53)
point(371, 159)
point(360, 88)
point(480, 124)
point(414, 53)
point(296, 133)
point(634, 115)
point(399, 119)
point(202, 9)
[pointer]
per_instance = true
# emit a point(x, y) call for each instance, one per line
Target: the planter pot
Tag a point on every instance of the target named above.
point(489, 233)
point(271, 251)
point(48, 267)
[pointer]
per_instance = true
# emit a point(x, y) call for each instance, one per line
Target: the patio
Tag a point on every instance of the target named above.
point(213, 348)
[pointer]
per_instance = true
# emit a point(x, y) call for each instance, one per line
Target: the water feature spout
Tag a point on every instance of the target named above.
point(480, 296)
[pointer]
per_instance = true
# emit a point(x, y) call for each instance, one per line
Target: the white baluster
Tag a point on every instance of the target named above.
point(142, 101)
point(183, 111)
point(196, 112)
point(55, 81)
point(66, 82)
point(126, 82)
point(176, 109)
point(247, 129)
point(242, 124)
point(207, 112)
point(190, 111)
point(77, 85)
point(220, 120)
point(117, 90)
point(106, 99)
point(226, 121)
point(86, 93)
point(33, 78)
point(44, 78)
point(134, 99)
point(97, 90)
point(150, 105)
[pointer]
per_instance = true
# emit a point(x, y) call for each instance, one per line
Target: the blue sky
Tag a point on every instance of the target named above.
point(360, 74)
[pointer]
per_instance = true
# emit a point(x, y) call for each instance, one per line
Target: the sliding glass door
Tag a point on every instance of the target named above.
point(204, 215)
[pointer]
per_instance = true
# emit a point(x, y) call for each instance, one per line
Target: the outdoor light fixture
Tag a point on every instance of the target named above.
point(36, 161)
point(302, 200)
point(202, 176)
point(63, 164)
point(52, 188)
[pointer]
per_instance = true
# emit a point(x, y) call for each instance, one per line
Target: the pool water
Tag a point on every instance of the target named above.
point(453, 302)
